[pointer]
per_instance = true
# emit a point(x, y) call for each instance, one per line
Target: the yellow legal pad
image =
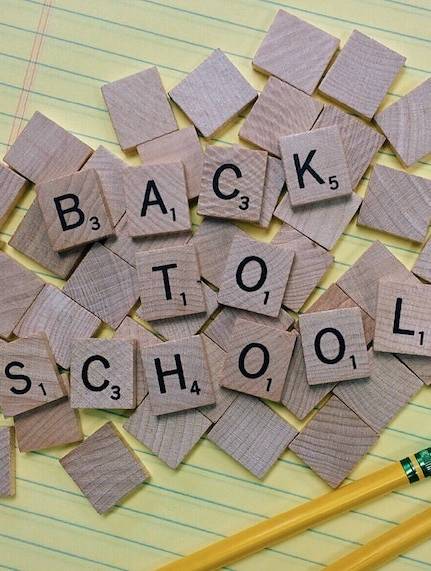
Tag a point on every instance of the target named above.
point(55, 55)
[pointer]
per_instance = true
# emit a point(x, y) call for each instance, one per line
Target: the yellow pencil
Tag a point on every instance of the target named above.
point(282, 526)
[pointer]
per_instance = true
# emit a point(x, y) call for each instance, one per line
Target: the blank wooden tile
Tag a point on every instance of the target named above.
point(275, 182)
point(171, 436)
point(169, 281)
point(28, 375)
point(7, 461)
point(61, 319)
point(281, 110)
point(403, 318)
point(18, 289)
point(180, 146)
point(44, 150)
point(139, 108)
point(232, 183)
point(422, 266)
point(315, 166)
point(104, 284)
point(156, 198)
point(398, 203)
point(360, 141)
point(12, 187)
point(362, 74)
point(253, 434)
point(309, 265)
point(407, 124)
point(255, 276)
point(334, 345)
point(295, 51)
point(213, 93)
point(74, 210)
point(102, 373)
point(178, 375)
point(378, 398)
point(105, 468)
point(110, 169)
point(421, 366)
point(323, 222)
point(334, 441)
point(257, 359)
point(31, 239)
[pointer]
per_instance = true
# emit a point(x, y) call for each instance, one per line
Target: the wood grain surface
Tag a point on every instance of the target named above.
point(12, 187)
point(7, 461)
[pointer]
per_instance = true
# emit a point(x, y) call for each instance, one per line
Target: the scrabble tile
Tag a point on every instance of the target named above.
point(253, 434)
point(31, 239)
point(156, 198)
point(139, 108)
point(295, 51)
point(169, 283)
point(28, 375)
point(334, 345)
point(398, 203)
point(48, 426)
point(110, 169)
point(323, 222)
point(310, 264)
point(315, 166)
point(378, 398)
point(74, 210)
point(12, 187)
point(361, 281)
point(105, 468)
point(419, 365)
point(334, 441)
point(422, 266)
point(407, 124)
point(257, 359)
point(255, 276)
point(130, 329)
point(178, 375)
point(403, 318)
point(102, 373)
point(104, 284)
point(180, 146)
point(213, 93)
point(44, 150)
point(362, 74)
point(61, 319)
point(360, 141)
point(7, 461)
point(298, 396)
point(281, 110)
point(171, 436)
point(275, 182)
point(232, 183)
point(18, 289)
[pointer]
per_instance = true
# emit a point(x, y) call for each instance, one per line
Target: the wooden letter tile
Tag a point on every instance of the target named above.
point(295, 51)
point(178, 375)
point(255, 276)
point(7, 461)
point(171, 436)
point(102, 373)
point(421, 366)
point(12, 187)
point(74, 210)
point(398, 203)
point(105, 468)
point(44, 151)
point(180, 146)
point(257, 359)
point(275, 182)
point(213, 93)
point(232, 183)
point(334, 441)
point(28, 375)
point(422, 267)
point(139, 108)
point(362, 74)
point(170, 283)
point(156, 197)
point(281, 110)
point(253, 434)
point(334, 345)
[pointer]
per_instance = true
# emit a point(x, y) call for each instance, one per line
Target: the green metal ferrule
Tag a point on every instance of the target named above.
point(410, 470)
point(424, 460)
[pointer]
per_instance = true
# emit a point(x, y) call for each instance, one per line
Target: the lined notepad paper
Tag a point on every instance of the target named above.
point(54, 56)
